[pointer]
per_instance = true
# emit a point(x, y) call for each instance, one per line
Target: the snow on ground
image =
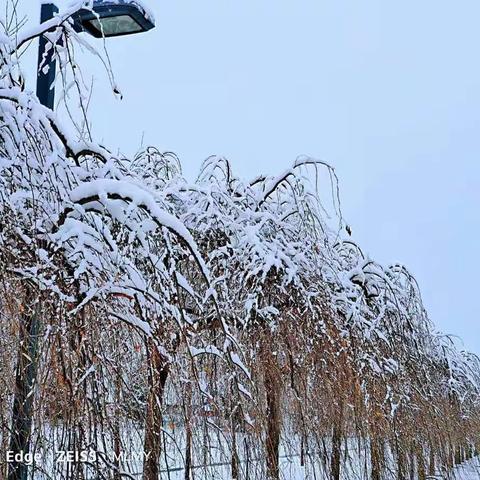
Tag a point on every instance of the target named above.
point(291, 470)
point(468, 471)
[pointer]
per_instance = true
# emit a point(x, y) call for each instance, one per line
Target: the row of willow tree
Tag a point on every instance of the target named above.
point(215, 325)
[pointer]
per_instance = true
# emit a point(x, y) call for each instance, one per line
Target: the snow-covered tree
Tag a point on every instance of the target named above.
point(240, 311)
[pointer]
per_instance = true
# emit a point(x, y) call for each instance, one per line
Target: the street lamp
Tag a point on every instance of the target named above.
point(112, 19)
point(106, 18)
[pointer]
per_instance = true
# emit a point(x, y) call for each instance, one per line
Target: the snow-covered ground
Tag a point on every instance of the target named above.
point(211, 461)
point(468, 471)
point(291, 470)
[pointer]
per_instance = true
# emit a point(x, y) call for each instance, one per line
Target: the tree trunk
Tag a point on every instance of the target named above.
point(302, 450)
point(153, 423)
point(401, 463)
point(375, 458)
point(337, 445)
point(412, 462)
point(422, 474)
point(450, 456)
point(22, 414)
point(336, 453)
point(458, 455)
point(188, 450)
point(431, 463)
point(273, 424)
point(117, 441)
point(234, 463)
point(468, 451)
point(247, 459)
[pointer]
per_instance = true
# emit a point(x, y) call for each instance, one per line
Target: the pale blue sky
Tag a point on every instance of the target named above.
point(387, 92)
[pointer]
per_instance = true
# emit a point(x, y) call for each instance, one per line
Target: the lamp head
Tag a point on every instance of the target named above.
point(113, 18)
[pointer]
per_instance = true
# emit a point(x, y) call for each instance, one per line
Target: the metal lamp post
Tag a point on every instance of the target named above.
point(107, 18)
